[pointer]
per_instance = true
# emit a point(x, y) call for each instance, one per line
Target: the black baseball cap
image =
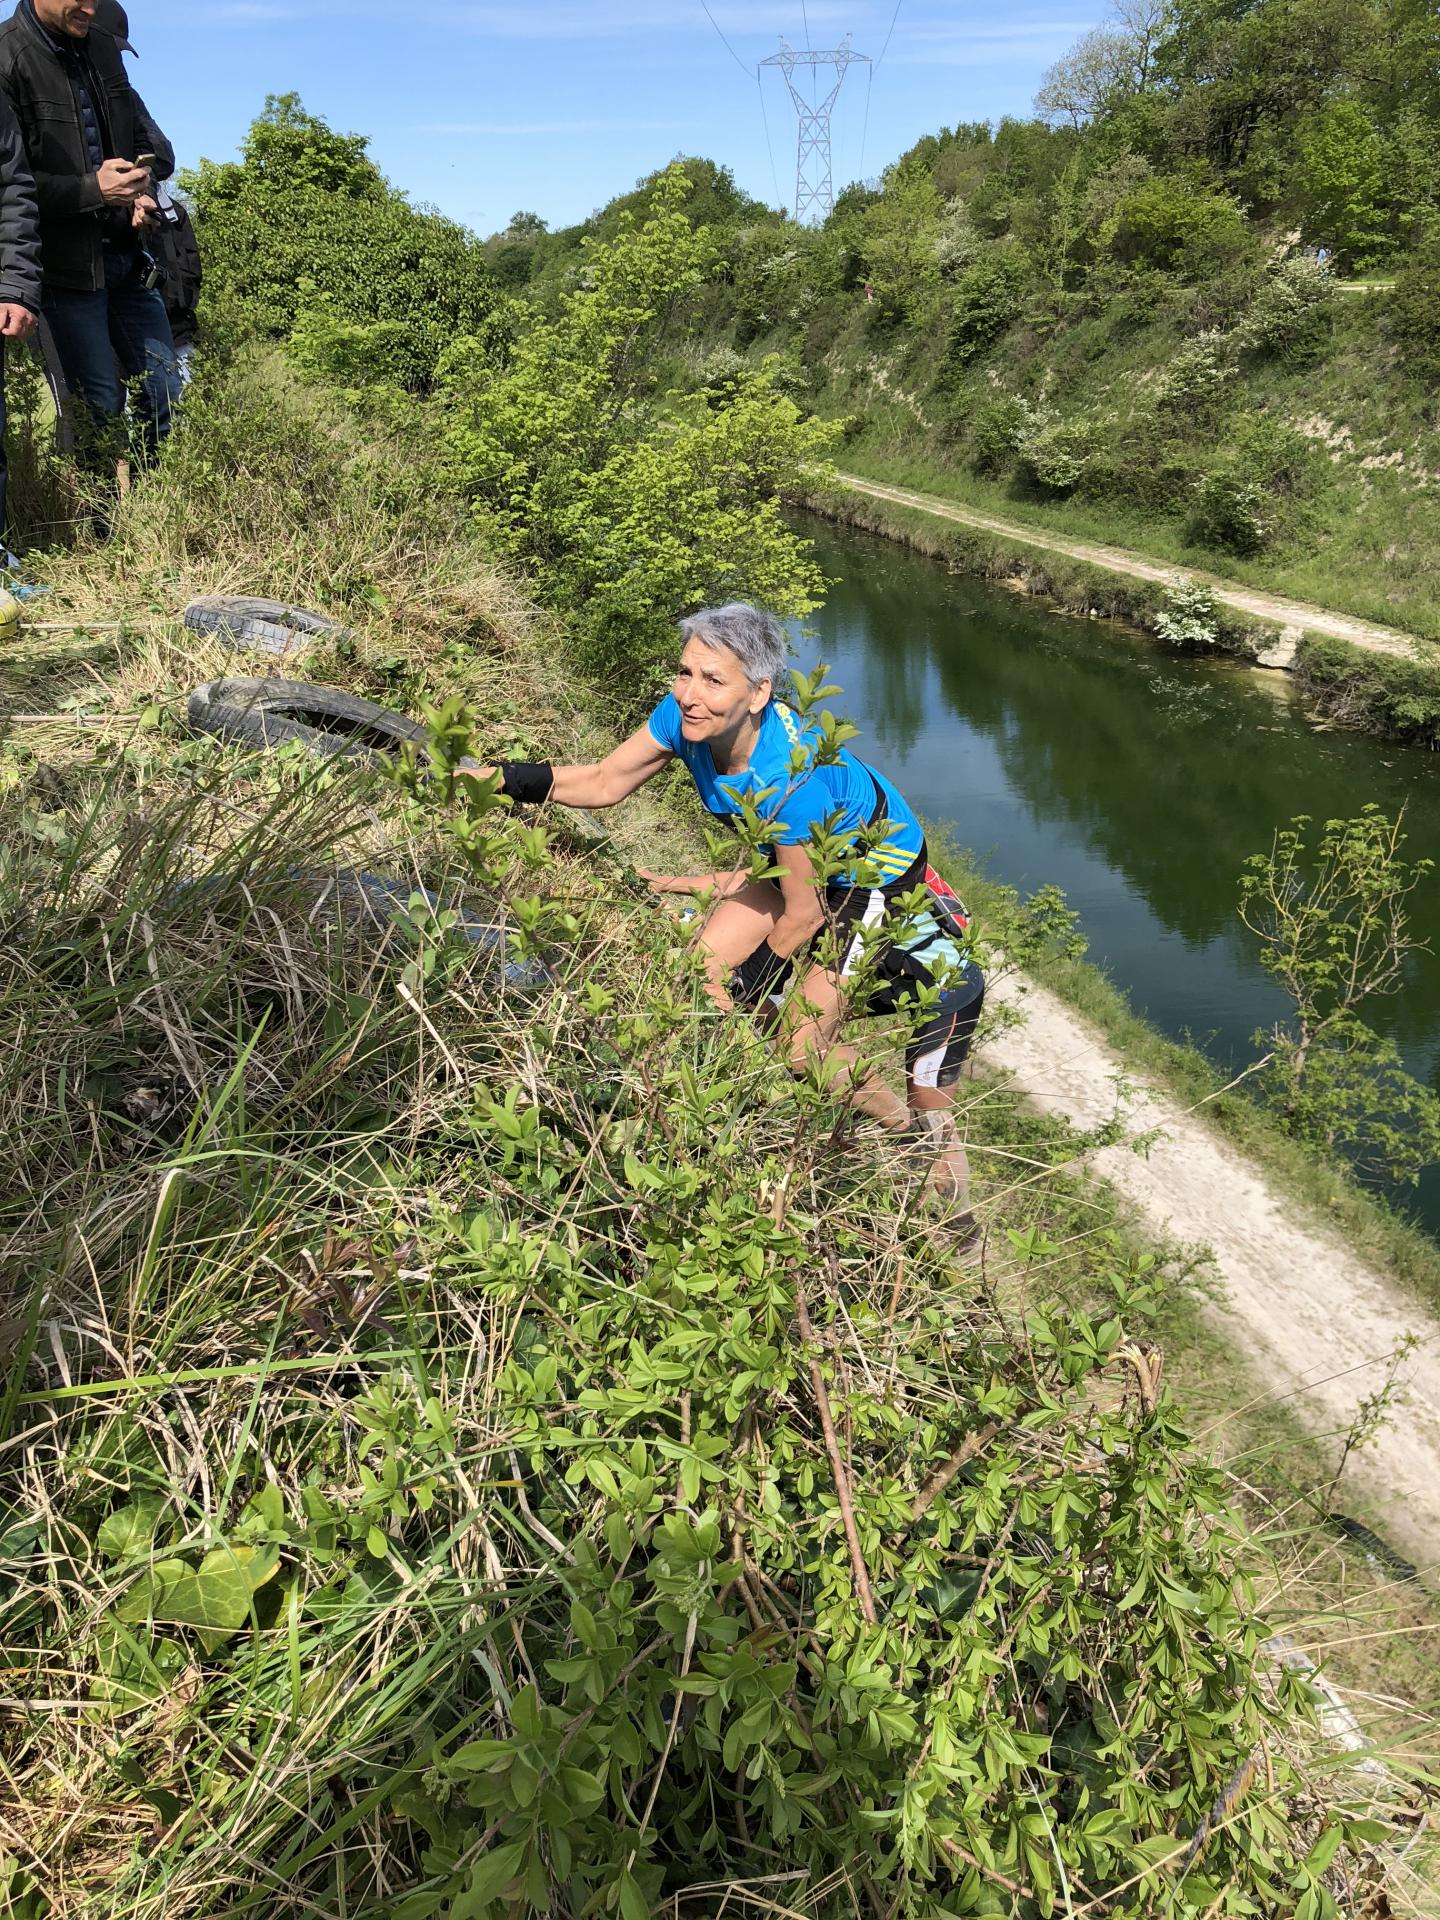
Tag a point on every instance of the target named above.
point(112, 18)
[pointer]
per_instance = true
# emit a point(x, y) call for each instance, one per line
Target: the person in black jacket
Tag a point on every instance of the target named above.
point(111, 18)
point(84, 127)
point(174, 242)
point(19, 263)
point(184, 275)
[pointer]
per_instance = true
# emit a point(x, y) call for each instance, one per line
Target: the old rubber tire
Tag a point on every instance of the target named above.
point(270, 626)
point(270, 713)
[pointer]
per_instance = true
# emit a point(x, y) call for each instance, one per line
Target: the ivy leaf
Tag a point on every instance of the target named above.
point(214, 1597)
point(129, 1530)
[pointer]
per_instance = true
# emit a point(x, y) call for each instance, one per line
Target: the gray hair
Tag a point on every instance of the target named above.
point(757, 640)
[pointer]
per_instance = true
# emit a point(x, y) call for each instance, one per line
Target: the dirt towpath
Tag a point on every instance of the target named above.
point(1318, 1326)
point(1296, 615)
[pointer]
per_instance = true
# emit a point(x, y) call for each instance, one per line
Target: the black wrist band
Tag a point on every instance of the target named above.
point(762, 972)
point(528, 781)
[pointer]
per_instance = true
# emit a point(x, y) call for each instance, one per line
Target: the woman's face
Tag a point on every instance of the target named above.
point(713, 694)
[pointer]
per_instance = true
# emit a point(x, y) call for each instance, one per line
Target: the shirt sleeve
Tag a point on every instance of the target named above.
point(664, 724)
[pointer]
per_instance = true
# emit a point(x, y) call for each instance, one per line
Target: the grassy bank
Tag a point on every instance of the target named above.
point(454, 1414)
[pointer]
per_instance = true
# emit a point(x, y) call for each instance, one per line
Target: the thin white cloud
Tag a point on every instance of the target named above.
point(258, 11)
point(554, 126)
point(614, 19)
point(960, 36)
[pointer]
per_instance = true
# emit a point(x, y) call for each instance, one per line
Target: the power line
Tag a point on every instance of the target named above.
point(886, 48)
point(765, 121)
point(865, 129)
point(726, 44)
point(805, 16)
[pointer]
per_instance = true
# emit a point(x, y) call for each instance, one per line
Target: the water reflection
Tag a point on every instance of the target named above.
point(1138, 781)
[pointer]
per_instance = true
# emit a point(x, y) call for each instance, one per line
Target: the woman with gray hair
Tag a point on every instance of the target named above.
point(744, 747)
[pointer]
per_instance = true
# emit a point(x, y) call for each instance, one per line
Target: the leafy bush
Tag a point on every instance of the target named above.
point(305, 225)
point(630, 504)
point(1332, 916)
point(773, 274)
point(1412, 311)
point(897, 239)
point(1242, 502)
point(1191, 616)
point(989, 298)
point(992, 430)
point(540, 1542)
point(1292, 313)
point(1196, 377)
point(1170, 222)
point(1232, 510)
point(1395, 697)
point(1053, 451)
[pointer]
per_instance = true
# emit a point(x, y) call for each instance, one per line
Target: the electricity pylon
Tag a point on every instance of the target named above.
point(814, 189)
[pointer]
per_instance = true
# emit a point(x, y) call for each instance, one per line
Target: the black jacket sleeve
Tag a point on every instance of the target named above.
point(19, 219)
point(152, 140)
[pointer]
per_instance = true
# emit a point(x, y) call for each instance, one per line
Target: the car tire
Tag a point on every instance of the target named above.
point(268, 626)
point(272, 713)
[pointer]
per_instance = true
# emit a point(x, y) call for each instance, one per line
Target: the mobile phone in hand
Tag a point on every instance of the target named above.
point(146, 160)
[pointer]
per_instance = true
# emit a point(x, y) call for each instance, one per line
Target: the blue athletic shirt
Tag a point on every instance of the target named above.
point(841, 793)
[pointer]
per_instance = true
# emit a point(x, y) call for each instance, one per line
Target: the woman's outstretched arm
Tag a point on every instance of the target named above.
point(602, 783)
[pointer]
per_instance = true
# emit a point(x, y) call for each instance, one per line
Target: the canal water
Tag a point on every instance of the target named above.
point(1065, 752)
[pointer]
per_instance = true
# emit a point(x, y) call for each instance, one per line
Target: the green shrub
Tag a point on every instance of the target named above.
point(1412, 311)
point(989, 298)
point(305, 221)
point(629, 503)
point(1292, 313)
point(1196, 377)
point(1376, 691)
point(1191, 616)
point(1232, 510)
point(992, 429)
point(1053, 451)
point(1243, 502)
point(1170, 222)
point(603, 1488)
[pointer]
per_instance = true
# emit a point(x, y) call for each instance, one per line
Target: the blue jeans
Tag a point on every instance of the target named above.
point(106, 340)
point(4, 469)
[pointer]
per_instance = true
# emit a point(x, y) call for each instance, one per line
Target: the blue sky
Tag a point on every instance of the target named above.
point(556, 105)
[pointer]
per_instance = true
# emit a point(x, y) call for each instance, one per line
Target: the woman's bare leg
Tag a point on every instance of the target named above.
point(733, 929)
point(810, 1031)
point(934, 1113)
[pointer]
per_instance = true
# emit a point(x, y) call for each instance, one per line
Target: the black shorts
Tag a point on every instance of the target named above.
point(940, 1045)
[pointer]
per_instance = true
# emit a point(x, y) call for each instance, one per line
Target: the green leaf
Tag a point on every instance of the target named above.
point(215, 1596)
point(480, 1756)
point(525, 1713)
point(129, 1530)
point(633, 1904)
point(376, 1544)
point(1323, 1851)
point(490, 1876)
